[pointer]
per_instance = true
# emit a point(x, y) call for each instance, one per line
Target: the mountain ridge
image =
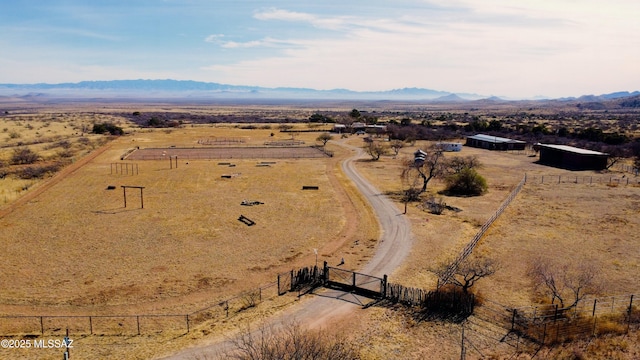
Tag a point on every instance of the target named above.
point(169, 88)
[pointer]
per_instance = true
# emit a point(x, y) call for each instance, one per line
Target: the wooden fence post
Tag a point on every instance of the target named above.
point(90, 325)
point(595, 301)
point(629, 313)
point(187, 318)
point(138, 323)
point(384, 287)
point(41, 326)
point(291, 286)
point(326, 273)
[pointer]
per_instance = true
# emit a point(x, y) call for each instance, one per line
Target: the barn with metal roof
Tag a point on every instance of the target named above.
point(572, 158)
point(494, 142)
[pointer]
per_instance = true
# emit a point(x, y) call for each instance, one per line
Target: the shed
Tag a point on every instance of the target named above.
point(494, 142)
point(572, 158)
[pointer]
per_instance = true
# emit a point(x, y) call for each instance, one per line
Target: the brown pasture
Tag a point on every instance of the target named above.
point(186, 247)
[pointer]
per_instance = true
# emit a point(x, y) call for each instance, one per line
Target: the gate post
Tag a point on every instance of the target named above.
point(384, 287)
point(326, 273)
point(353, 282)
point(291, 286)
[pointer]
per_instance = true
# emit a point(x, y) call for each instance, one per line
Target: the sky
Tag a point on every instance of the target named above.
point(517, 49)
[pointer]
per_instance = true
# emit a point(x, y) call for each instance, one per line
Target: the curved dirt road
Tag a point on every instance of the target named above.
point(313, 311)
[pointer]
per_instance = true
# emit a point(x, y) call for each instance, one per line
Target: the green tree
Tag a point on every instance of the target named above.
point(355, 114)
point(318, 118)
point(103, 128)
point(324, 138)
point(466, 182)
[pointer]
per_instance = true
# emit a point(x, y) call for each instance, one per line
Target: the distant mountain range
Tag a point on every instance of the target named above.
point(196, 90)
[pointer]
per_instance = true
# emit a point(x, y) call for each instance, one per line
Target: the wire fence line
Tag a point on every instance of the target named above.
point(133, 324)
point(468, 249)
point(583, 179)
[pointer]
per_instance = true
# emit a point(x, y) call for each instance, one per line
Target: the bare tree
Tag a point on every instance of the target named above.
point(396, 145)
point(469, 271)
point(564, 283)
point(375, 150)
point(429, 166)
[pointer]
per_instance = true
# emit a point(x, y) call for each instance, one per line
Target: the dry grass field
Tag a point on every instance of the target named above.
point(75, 249)
point(569, 223)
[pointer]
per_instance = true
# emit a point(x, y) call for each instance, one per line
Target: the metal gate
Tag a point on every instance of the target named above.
point(358, 283)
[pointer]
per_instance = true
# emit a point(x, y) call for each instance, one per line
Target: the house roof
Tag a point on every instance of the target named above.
point(494, 139)
point(572, 149)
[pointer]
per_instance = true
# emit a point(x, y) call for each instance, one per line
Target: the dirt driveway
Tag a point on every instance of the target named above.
point(315, 311)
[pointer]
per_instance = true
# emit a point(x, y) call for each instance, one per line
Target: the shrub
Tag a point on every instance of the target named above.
point(36, 171)
point(466, 182)
point(24, 155)
point(104, 128)
point(290, 342)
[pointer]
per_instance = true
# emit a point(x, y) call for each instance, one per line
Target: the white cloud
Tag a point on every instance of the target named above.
point(333, 23)
point(497, 47)
point(214, 38)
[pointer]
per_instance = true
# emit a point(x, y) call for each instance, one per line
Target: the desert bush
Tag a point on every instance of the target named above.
point(65, 153)
point(65, 144)
point(292, 342)
point(14, 135)
point(467, 182)
point(434, 206)
point(24, 155)
point(37, 171)
point(250, 299)
point(84, 140)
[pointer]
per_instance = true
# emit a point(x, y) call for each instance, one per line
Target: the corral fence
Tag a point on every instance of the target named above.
point(302, 280)
point(549, 324)
point(249, 152)
point(222, 141)
point(441, 303)
point(582, 179)
point(284, 143)
point(468, 249)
